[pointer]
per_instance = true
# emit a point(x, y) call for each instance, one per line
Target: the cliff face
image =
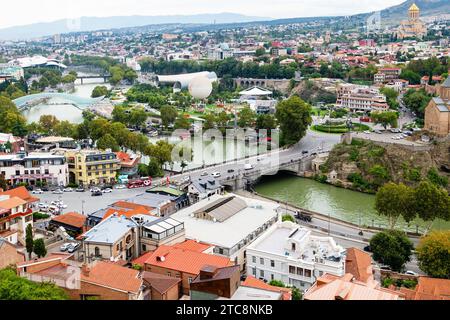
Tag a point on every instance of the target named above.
point(365, 166)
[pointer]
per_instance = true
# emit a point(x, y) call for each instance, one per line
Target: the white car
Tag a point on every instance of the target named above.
point(412, 273)
point(43, 206)
point(120, 187)
point(107, 190)
point(216, 175)
point(248, 166)
point(38, 191)
point(367, 132)
point(65, 247)
point(68, 190)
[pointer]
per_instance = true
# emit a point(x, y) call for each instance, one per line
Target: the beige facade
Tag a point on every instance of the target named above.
point(437, 114)
point(413, 27)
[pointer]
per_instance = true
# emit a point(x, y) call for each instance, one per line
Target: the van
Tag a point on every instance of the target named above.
point(248, 166)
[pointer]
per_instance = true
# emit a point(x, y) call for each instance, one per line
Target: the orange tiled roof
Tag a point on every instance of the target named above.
point(21, 193)
point(142, 259)
point(185, 260)
point(345, 288)
point(359, 264)
point(252, 282)
point(432, 289)
point(126, 160)
point(128, 214)
point(12, 203)
point(131, 206)
point(71, 219)
point(114, 276)
point(193, 246)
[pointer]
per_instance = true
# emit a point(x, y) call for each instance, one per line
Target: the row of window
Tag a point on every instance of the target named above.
point(300, 272)
point(262, 261)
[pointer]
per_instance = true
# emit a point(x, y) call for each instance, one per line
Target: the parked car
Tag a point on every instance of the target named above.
point(95, 189)
point(248, 166)
point(368, 249)
point(385, 268)
point(305, 152)
point(231, 171)
point(38, 191)
point(58, 191)
point(73, 247)
point(43, 206)
point(45, 189)
point(109, 190)
point(120, 187)
point(216, 174)
point(97, 193)
point(80, 189)
point(68, 190)
point(412, 273)
point(204, 174)
point(65, 247)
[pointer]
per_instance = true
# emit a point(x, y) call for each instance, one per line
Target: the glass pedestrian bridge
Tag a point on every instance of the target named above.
point(33, 100)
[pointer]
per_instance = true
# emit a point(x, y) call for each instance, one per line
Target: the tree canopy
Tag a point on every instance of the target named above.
point(392, 248)
point(294, 118)
point(433, 254)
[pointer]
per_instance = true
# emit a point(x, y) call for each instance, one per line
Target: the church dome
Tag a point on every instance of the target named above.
point(414, 7)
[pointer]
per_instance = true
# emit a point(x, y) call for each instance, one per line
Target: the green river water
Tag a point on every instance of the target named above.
point(346, 205)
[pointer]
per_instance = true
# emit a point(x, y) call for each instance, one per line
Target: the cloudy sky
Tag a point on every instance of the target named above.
point(20, 12)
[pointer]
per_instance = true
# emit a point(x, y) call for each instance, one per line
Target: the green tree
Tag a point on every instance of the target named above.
point(168, 115)
point(29, 242)
point(296, 294)
point(13, 287)
point(246, 118)
point(108, 142)
point(288, 217)
point(392, 248)
point(294, 117)
point(3, 183)
point(431, 203)
point(39, 248)
point(388, 118)
point(70, 78)
point(266, 122)
point(210, 121)
point(438, 180)
point(138, 117)
point(48, 123)
point(182, 123)
point(433, 254)
point(394, 201)
point(99, 91)
point(119, 114)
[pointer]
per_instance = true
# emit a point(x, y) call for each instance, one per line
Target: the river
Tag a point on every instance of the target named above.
point(346, 205)
point(64, 111)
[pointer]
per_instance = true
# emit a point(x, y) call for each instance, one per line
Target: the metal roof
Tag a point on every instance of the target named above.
point(223, 209)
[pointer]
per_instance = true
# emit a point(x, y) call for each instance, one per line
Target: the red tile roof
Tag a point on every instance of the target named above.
point(114, 276)
point(21, 193)
point(185, 260)
point(193, 246)
point(429, 289)
point(126, 161)
point(11, 203)
point(252, 282)
point(73, 219)
point(359, 264)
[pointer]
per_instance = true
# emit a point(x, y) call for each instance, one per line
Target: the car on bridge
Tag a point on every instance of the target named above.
point(216, 174)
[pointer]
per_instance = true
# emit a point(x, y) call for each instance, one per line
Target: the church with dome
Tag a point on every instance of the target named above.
point(413, 27)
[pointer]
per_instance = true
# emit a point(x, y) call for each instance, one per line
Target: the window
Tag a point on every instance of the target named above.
point(26, 171)
point(254, 272)
point(46, 171)
point(261, 261)
point(300, 272)
point(261, 273)
point(294, 247)
point(97, 251)
point(169, 274)
point(272, 263)
point(291, 269)
point(190, 280)
point(308, 273)
point(144, 248)
point(272, 277)
point(254, 259)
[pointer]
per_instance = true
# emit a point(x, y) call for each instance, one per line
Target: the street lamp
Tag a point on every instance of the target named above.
point(329, 223)
point(82, 207)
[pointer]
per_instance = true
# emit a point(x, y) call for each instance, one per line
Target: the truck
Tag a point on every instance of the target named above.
point(139, 183)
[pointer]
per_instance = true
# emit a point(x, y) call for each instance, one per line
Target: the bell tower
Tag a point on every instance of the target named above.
point(414, 13)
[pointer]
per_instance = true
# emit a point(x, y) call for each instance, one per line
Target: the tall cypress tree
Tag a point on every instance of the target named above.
point(29, 242)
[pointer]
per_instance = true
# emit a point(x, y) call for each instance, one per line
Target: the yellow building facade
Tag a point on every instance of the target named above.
point(92, 167)
point(413, 27)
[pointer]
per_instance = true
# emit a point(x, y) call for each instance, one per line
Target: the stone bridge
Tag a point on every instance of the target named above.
point(247, 179)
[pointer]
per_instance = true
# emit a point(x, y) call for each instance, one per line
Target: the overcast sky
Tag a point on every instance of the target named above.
point(21, 12)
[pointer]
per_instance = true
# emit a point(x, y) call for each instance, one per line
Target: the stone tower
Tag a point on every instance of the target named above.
point(414, 13)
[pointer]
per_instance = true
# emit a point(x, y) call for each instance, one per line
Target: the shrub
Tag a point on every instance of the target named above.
point(288, 217)
point(277, 283)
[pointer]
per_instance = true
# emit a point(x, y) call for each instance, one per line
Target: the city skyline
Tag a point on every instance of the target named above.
point(51, 10)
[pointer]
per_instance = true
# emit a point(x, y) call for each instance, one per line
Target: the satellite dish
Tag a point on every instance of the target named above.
point(201, 87)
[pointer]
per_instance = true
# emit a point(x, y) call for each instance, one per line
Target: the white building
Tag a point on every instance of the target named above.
point(220, 53)
point(291, 254)
point(229, 223)
point(361, 99)
point(35, 167)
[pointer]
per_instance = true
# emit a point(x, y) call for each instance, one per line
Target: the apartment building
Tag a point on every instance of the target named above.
point(361, 99)
point(292, 255)
point(16, 213)
point(115, 239)
point(34, 168)
point(92, 167)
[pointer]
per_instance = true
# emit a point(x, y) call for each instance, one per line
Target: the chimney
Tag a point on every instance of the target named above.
point(85, 270)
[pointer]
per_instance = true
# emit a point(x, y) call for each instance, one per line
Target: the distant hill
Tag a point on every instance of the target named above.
point(96, 23)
